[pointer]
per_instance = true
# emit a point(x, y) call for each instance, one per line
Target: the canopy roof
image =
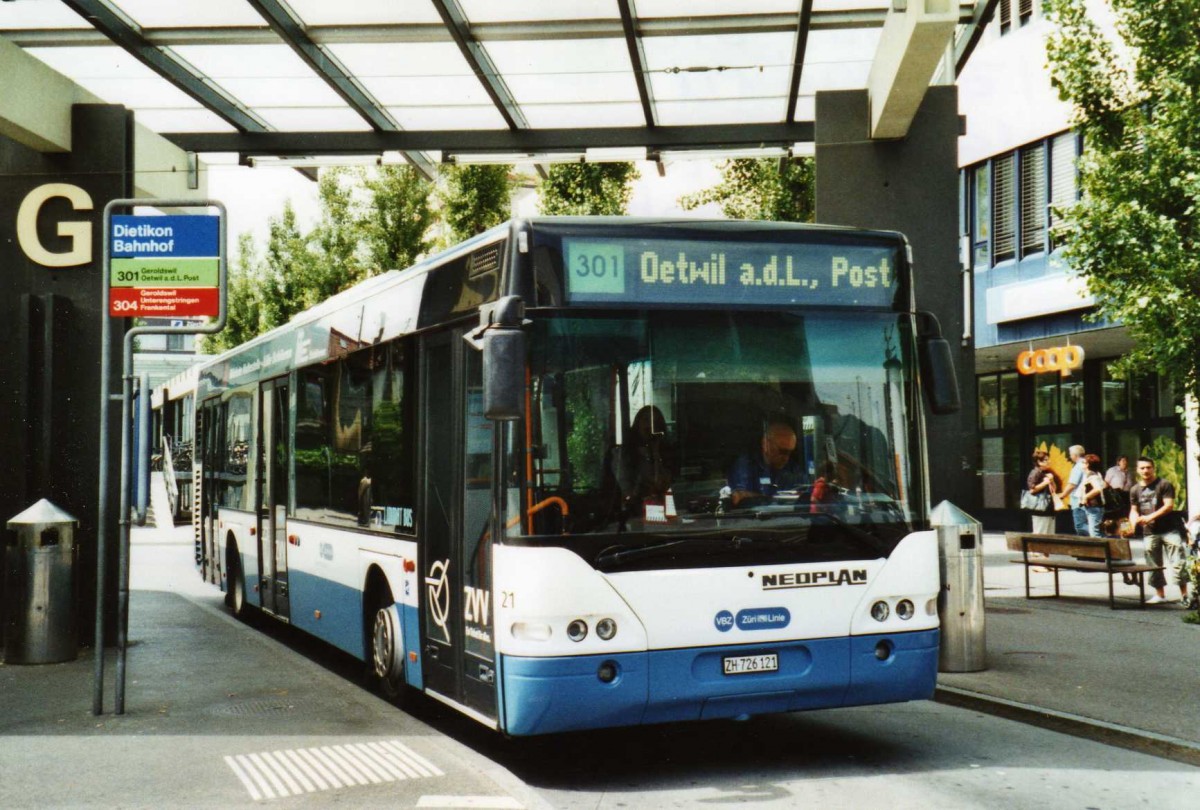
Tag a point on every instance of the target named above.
point(481, 80)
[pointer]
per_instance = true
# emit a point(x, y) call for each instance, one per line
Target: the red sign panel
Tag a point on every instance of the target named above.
point(157, 302)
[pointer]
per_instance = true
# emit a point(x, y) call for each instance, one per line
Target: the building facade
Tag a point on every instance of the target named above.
point(1044, 361)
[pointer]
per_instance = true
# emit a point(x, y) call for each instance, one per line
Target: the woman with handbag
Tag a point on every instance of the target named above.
point(1040, 485)
point(1093, 500)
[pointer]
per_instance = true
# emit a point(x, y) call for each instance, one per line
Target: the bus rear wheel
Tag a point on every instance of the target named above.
point(235, 584)
point(386, 664)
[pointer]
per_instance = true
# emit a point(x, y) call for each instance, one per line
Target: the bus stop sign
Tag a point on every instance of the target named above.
point(164, 266)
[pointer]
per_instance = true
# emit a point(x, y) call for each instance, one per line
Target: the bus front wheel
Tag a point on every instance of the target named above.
point(235, 584)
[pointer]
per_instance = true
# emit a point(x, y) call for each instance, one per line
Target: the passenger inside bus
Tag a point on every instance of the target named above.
point(640, 469)
point(771, 467)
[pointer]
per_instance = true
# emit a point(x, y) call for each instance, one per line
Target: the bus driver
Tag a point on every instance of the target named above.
point(775, 467)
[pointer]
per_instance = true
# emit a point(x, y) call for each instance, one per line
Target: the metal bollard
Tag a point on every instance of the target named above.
point(960, 603)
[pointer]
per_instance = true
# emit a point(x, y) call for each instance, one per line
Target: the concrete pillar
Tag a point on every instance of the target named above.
point(51, 287)
point(910, 185)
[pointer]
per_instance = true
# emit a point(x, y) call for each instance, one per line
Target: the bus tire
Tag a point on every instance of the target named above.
point(385, 642)
point(235, 583)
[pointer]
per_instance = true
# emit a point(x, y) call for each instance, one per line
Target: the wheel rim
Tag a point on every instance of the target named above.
point(385, 643)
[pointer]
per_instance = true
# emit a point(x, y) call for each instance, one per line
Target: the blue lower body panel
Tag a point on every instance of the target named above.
point(548, 695)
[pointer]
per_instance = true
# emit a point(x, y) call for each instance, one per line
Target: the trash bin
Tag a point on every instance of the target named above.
point(960, 603)
point(40, 622)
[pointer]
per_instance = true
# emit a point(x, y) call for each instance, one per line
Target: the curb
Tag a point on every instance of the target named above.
point(1144, 742)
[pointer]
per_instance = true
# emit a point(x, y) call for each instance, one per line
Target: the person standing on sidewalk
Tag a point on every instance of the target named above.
point(1152, 508)
point(1074, 488)
point(1120, 478)
point(1041, 483)
point(1093, 495)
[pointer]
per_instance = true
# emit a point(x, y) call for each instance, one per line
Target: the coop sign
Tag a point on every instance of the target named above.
point(1061, 359)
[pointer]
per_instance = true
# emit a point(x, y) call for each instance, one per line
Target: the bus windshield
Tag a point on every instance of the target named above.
point(688, 423)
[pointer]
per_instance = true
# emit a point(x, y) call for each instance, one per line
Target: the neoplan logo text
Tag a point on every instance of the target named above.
point(814, 579)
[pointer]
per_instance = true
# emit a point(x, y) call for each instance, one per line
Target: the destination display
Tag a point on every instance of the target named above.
point(614, 271)
point(163, 266)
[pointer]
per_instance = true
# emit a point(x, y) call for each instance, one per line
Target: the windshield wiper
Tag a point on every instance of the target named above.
point(614, 555)
point(866, 538)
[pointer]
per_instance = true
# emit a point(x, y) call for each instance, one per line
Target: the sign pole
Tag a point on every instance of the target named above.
point(150, 305)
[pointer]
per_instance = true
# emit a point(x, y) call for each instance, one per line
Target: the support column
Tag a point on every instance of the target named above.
point(50, 317)
point(910, 185)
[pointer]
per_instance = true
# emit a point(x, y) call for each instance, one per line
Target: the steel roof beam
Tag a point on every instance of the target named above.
point(481, 64)
point(802, 27)
point(121, 31)
point(965, 46)
point(479, 32)
point(526, 141)
point(284, 23)
point(637, 58)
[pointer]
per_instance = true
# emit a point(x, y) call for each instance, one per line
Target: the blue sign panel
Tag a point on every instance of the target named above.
point(763, 618)
point(724, 621)
point(136, 237)
point(635, 271)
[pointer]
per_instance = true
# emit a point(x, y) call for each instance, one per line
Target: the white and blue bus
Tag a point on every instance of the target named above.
point(505, 477)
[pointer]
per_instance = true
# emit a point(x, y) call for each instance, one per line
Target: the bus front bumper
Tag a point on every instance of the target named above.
point(549, 695)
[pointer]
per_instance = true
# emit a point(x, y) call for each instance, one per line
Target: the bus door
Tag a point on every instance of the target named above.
point(212, 438)
point(457, 608)
point(274, 454)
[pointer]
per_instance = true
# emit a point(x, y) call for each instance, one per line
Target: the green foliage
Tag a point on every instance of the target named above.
point(476, 198)
point(760, 188)
point(395, 226)
point(1135, 235)
point(587, 189)
point(336, 237)
point(289, 267)
point(586, 441)
point(243, 302)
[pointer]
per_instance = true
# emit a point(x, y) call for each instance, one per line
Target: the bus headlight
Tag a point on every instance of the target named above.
point(905, 609)
point(880, 611)
point(531, 631)
point(606, 629)
point(577, 630)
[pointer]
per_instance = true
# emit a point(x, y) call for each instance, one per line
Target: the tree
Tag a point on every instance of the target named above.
point(476, 198)
point(337, 236)
point(1134, 235)
point(587, 188)
point(761, 188)
point(288, 271)
point(397, 218)
point(243, 301)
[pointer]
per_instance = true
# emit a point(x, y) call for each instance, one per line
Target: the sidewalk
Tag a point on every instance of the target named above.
point(220, 714)
point(1132, 668)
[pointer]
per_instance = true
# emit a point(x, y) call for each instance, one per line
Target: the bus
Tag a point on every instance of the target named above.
point(503, 476)
point(173, 422)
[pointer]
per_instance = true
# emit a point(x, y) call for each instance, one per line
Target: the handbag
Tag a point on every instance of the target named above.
point(1035, 501)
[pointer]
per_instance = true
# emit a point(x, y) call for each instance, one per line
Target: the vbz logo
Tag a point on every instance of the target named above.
point(1063, 360)
point(80, 233)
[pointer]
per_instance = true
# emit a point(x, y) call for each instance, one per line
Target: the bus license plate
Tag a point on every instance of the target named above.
point(747, 664)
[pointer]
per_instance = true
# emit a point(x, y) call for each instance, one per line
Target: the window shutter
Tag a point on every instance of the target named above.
point(1005, 15)
point(1004, 224)
point(1033, 199)
point(1062, 177)
point(1025, 10)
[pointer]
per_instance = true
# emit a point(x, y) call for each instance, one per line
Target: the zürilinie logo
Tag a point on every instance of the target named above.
point(814, 579)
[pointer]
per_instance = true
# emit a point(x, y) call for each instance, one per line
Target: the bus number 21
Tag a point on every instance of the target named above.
point(508, 599)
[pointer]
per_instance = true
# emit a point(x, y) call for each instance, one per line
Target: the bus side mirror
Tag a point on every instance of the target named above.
point(937, 370)
point(503, 373)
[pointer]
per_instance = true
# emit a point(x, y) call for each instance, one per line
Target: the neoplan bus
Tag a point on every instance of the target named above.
point(501, 477)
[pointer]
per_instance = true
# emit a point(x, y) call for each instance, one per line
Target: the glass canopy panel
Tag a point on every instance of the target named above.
point(548, 71)
point(413, 73)
point(191, 120)
point(189, 13)
point(592, 114)
point(492, 11)
point(39, 15)
point(220, 62)
point(312, 119)
point(114, 76)
point(260, 91)
point(648, 9)
point(427, 117)
point(838, 60)
point(766, 109)
point(365, 12)
point(720, 66)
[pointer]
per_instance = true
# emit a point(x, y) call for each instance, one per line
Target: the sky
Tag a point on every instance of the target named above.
point(253, 195)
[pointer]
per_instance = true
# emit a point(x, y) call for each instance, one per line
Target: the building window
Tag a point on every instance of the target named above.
point(1024, 11)
point(1063, 186)
point(1000, 445)
point(1004, 210)
point(982, 227)
point(1005, 12)
point(1033, 199)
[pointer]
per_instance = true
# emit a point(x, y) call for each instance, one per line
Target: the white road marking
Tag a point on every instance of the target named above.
point(277, 774)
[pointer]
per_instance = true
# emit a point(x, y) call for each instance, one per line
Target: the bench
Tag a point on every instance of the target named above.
point(1106, 555)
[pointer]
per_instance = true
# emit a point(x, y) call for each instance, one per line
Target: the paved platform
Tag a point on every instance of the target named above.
point(1136, 668)
point(220, 714)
